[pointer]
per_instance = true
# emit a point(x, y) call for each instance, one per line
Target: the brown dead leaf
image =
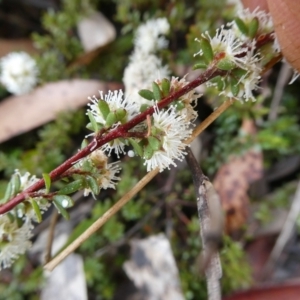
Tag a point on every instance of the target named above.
point(18, 114)
point(7, 46)
point(232, 183)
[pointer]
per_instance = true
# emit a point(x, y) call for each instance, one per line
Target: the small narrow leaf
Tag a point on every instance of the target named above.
point(111, 119)
point(121, 113)
point(207, 50)
point(241, 26)
point(64, 200)
point(47, 180)
point(179, 105)
point(93, 121)
point(136, 146)
point(104, 108)
point(165, 86)
point(16, 184)
point(200, 65)
point(36, 209)
point(234, 86)
point(93, 185)
point(148, 152)
point(61, 210)
point(253, 27)
point(156, 91)
point(220, 83)
point(84, 143)
point(154, 143)
point(144, 107)
point(71, 187)
point(146, 94)
point(8, 193)
point(226, 64)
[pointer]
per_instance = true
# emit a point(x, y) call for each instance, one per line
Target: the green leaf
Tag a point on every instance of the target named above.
point(148, 152)
point(71, 187)
point(207, 50)
point(64, 200)
point(93, 121)
point(16, 183)
point(241, 26)
point(121, 114)
point(137, 147)
point(111, 119)
point(146, 94)
point(36, 209)
point(165, 86)
point(154, 142)
point(234, 86)
point(84, 143)
point(220, 83)
point(8, 193)
point(179, 105)
point(104, 108)
point(226, 64)
point(93, 185)
point(47, 180)
point(253, 27)
point(238, 72)
point(156, 91)
point(61, 210)
point(144, 107)
point(200, 65)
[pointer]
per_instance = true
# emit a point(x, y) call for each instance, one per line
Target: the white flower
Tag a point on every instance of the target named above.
point(14, 240)
point(149, 35)
point(189, 100)
point(175, 130)
point(115, 101)
point(105, 172)
point(18, 72)
point(264, 19)
point(28, 213)
point(225, 41)
point(142, 70)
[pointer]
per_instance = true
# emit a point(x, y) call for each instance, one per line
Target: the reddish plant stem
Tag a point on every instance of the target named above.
point(101, 139)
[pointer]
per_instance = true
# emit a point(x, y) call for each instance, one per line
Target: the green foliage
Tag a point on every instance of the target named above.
point(236, 269)
point(61, 45)
point(279, 199)
point(25, 281)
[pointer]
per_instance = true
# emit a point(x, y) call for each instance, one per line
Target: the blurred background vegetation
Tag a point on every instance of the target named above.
point(168, 203)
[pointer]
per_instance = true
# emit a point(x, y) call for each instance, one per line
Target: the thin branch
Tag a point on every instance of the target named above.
point(285, 234)
point(102, 220)
point(54, 218)
point(117, 206)
point(209, 236)
point(120, 131)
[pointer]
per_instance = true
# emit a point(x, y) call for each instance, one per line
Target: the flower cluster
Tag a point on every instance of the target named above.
point(233, 50)
point(16, 226)
point(101, 174)
point(18, 72)
point(169, 130)
point(144, 66)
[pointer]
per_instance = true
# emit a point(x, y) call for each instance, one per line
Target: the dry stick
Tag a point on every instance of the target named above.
point(210, 258)
point(285, 234)
point(53, 221)
point(117, 206)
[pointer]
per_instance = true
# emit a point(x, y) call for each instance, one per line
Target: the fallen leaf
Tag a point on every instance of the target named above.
point(95, 31)
point(7, 46)
point(19, 114)
point(232, 182)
